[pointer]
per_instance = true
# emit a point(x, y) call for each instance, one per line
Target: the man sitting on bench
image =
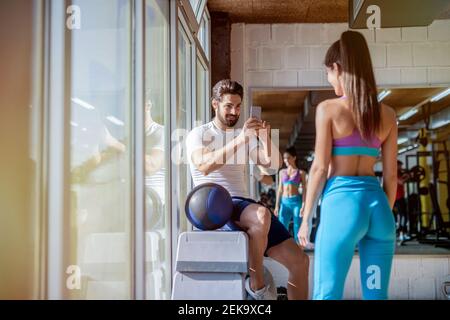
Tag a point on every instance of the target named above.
point(219, 153)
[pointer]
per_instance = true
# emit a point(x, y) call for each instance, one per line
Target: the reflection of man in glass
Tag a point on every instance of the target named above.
point(154, 166)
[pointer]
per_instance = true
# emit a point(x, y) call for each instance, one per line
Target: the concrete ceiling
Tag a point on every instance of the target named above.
point(282, 108)
point(288, 11)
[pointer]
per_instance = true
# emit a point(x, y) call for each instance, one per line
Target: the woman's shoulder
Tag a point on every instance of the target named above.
point(388, 111)
point(388, 115)
point(332, 106)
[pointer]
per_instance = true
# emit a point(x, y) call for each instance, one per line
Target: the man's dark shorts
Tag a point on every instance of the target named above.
point(277, 232)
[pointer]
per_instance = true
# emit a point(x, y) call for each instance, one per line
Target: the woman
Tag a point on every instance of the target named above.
point(355, 210)
point(291, 182)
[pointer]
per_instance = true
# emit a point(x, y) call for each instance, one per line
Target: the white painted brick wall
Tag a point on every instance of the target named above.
point(387, 76)
point(412, 277)
point(310, 33)
point(431, 54)
point(271, 58)
point(272, 53)
point(422, 288)
point(378, 55)
point(284, 34)
point(285, 78)
point(252, 59)
point(257, 34)
point(237, 72)
point(414, 34)
point(317, 56)
point(413, 76)
point(399, 290)
point(259, 79)
point(439, 30)
point(399, 55)
point(439, 75)
point(296, 57)
point(388, 35)
point(310, 78)
point(332, 32)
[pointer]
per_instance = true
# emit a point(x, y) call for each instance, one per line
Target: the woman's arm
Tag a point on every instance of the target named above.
point(303, 175)
point(389, 159)
point(319, 169)
point(279, 193)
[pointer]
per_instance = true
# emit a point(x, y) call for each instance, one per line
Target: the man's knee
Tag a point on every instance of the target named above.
point(264, 216)
point(261, 223)
point(298, 262)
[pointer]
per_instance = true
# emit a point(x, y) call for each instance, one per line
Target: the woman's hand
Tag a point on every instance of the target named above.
point(302, 211)
point(275, 212)
point(304, 233)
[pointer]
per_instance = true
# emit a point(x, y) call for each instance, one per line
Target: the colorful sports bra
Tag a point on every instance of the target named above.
point(354, 145)
point(295, 180)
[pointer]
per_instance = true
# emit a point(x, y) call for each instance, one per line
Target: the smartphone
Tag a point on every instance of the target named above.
point(255, 112)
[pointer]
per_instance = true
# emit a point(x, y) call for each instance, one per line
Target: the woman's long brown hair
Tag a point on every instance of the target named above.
point(352, 56)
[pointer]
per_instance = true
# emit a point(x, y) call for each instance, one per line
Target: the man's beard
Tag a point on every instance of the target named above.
point(229, 121)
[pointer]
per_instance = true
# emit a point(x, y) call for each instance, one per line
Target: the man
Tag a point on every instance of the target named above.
point(218, 153)
point(400, 202)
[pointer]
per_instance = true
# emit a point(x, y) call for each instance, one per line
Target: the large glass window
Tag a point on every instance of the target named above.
point(157, 100)
point(194, 4)
point(203, 33)
point(99, 222)
point(182, 120)
point(202, 89)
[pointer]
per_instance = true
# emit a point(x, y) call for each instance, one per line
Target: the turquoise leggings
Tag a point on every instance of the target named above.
point(354, 211)
point(290, 209)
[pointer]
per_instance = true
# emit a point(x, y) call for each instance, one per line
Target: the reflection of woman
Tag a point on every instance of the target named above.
point(350, 133)
point(291, 181)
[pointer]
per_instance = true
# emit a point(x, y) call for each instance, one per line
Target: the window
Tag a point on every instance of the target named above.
point(202, 92)
point(99, 224)
point(182, 123)
point(203, 33)
point(195, 5)
point(157, 99)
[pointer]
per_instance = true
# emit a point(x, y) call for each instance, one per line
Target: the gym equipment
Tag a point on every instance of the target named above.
point(209, 206)
point(417, 174)
point(423, 191)
point(212, 265)
point(423, 185)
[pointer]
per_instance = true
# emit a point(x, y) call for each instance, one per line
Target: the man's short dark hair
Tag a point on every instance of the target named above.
point(224, 87)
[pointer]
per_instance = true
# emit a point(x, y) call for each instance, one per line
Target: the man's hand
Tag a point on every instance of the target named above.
point(250, 128)
point(265, 129)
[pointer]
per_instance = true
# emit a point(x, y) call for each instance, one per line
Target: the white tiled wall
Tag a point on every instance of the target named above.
point(412, 277)
point(291, 55)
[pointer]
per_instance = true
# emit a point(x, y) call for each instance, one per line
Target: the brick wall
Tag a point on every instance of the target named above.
point(291, 55)
point(412, 277)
